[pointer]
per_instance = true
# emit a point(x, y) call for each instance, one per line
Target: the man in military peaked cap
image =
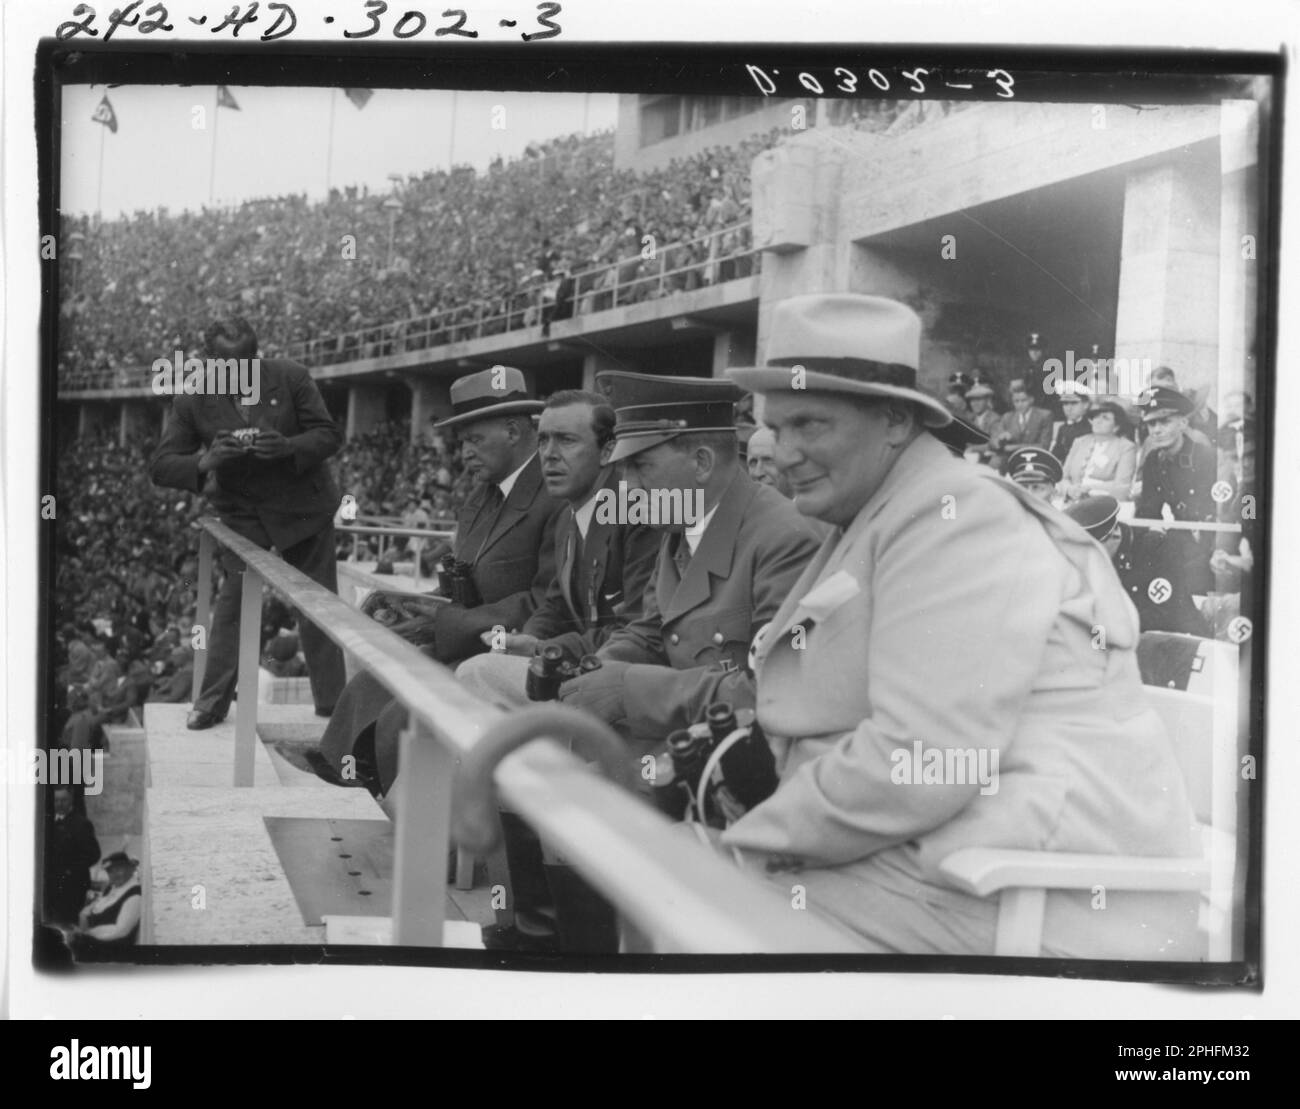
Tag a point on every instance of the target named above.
point(719, 576)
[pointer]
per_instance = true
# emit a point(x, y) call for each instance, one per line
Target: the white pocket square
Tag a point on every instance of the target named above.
point(826, 596)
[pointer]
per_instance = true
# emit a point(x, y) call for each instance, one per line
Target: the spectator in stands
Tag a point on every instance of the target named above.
point(1103, 461)
point(1026, 425)
point(71, 849)
point(1074, 408)
point(860, 672)
point(1149, 567)
point(1178, 476)
point(112, 920)
point(761, 461)
point(1034, 469)
point(278, 492)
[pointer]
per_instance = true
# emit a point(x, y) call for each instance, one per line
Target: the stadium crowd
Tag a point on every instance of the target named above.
point(361, 274)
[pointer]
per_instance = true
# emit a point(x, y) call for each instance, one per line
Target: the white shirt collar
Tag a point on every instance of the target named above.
point(509, 483)
point(695, 532)
point(582, 515)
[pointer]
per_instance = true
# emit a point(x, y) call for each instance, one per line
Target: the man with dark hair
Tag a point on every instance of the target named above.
point(602, 568)
point(505, 545)
point(260, 459)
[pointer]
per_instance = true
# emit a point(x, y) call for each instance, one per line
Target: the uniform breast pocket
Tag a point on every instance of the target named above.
point(725, 638)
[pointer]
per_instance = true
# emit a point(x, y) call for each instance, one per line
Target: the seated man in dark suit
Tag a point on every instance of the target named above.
point(262, 465)
point(603, 568)
point(505, 534)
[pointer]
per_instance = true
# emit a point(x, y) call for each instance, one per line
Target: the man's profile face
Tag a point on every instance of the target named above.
point(487, 449)
point(835, 454)
point(567, 448)
point(62, 802)
point(1167, 431)
point(1072, 407)
point(662, 467)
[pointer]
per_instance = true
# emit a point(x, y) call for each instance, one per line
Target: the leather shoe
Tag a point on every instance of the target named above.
point(499, 937)
point(198, 720)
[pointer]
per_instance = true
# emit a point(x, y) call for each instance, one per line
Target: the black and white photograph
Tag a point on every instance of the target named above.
point(518, 510)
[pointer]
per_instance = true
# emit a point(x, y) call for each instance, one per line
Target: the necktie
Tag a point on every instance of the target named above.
point(682, 558)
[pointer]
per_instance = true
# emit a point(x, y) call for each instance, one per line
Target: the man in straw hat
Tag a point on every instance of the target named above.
point(948, 621)
point(504, 532)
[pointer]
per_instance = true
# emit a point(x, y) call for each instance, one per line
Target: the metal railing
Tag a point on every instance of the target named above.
point(357, 530)
point(676, 894)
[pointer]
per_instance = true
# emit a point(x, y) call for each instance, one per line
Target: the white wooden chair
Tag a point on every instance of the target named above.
point(1204, 731)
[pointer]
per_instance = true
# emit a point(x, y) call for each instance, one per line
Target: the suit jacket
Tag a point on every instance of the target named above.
point(971, 631)
point(691, 643)
point(1037, 431)
point(288, 499)
point(513, 566)
point(1109, 469)
point(617, 562)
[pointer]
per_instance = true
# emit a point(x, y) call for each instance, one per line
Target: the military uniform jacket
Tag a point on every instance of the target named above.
point(695, 629)
point(1181, 479)
point(965, 629)
point(610, 570)
point(288, 499)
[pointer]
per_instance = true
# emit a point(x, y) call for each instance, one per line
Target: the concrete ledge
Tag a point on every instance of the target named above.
point(213, 874)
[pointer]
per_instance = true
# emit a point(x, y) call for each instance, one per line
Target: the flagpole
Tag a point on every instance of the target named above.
point(99, 192)
point(329, 147)
point(216, 118)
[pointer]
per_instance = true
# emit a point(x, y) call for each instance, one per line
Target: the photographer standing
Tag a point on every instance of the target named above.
point(262, 467)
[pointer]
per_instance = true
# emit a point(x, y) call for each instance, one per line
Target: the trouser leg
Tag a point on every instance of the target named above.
point(315, 557)
point(221, 672)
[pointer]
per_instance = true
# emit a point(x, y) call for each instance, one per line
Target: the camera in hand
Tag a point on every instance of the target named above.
point(244, 436)
point(745, 770)
point(456, 582)
point(549, 669)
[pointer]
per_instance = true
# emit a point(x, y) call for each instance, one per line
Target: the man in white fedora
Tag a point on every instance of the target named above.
point(949, 622)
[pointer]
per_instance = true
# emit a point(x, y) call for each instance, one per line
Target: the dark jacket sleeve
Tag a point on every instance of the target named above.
point(319, 437)
point(457, 629)
point(641, 639)
point(175, 464)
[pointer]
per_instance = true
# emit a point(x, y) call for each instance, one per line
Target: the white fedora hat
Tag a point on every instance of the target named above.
point(844, 343)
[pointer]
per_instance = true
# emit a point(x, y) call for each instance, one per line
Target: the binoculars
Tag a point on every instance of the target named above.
point(736, 756)
point(456, 582)
point(549, 669)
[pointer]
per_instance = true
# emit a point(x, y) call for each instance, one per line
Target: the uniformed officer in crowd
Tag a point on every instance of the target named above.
point(1150, 568)
point(1035, 469)
point(950, 610)
point(1178, 474)
point(717, 580)
point(1074, 402)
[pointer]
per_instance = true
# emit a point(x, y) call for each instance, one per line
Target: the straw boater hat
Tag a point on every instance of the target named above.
point(497, 391)
point(864, 346)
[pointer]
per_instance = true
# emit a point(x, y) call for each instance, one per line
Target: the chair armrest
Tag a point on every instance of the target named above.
point(982, 871)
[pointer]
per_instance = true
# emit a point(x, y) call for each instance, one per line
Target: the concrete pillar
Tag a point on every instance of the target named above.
point(430, 400)
point(592, 363)
point(1239, 248)
point(367, 406)
point(133, 419)
point(1168, 305)
point(731, 348)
